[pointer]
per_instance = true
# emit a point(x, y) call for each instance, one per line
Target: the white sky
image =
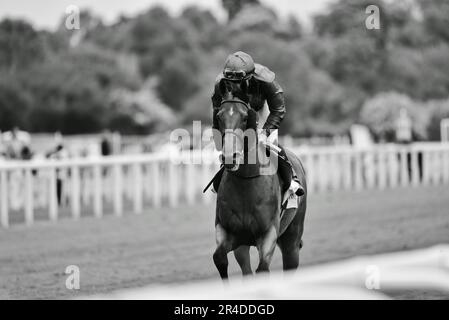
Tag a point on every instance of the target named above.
point(46, 13)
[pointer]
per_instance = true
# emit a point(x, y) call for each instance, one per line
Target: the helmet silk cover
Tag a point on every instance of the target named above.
point(240, 66)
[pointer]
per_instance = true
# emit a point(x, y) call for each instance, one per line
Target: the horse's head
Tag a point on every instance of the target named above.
point(237, 124)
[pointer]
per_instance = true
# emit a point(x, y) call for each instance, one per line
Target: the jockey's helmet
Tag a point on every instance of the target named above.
point(238, 66)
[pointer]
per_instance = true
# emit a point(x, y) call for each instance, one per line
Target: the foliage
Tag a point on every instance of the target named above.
point(340, 72)
point(233, 7)
point(14, 104)
point(20, 45)
point(435, 15)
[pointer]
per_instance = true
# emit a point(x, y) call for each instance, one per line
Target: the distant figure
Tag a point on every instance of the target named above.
point(58, 153)
point(404, 127)
point(26, 153)
point(361, 137)
point(106, 145)
point(404, 135)
point(17, 144)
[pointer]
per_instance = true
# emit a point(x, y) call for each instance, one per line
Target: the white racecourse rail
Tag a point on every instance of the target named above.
point(134, 183)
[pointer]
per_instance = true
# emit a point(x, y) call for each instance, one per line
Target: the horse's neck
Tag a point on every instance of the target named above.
point(248, 171)
point(252, 167)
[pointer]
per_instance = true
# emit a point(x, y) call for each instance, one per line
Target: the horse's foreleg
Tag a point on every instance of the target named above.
point(266, 246)
point(224, 245)
point(243, 259)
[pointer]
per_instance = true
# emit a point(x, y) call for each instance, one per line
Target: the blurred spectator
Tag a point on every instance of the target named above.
point(404, 135)
point(360, 137)
point(26, 153)
point(106, 145)
point(404, 127)
point(17, 144)
point(58, 153)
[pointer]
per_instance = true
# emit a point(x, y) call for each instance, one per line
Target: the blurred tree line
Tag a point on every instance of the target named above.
point(154, 71)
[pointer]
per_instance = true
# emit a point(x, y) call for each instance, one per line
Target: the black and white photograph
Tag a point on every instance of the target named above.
point(216, 151)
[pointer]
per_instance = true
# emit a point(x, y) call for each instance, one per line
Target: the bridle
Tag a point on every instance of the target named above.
point(235, 101)
point(247, 107)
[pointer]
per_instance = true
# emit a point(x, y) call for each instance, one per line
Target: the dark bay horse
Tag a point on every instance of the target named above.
point(248, 202)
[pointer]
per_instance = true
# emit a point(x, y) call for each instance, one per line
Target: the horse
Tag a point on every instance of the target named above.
point(248, 206)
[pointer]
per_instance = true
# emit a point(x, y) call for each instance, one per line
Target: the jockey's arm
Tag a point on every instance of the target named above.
point(276, 104)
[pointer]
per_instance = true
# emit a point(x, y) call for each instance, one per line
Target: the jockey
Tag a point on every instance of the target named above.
point(256, 85)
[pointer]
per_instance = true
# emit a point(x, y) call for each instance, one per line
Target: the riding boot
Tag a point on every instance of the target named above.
point(288, 177)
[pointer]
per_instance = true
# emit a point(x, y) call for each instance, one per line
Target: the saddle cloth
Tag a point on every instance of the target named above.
point(287, 215)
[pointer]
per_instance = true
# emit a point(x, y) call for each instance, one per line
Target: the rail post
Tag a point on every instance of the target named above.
point(75, 199)
point(138, 188)
point(4, 219)
point(118, 190)
point(53, 196)
point(98, 191)
point(29, 199)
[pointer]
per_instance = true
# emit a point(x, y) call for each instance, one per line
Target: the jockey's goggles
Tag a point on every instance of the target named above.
point(236, 75)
